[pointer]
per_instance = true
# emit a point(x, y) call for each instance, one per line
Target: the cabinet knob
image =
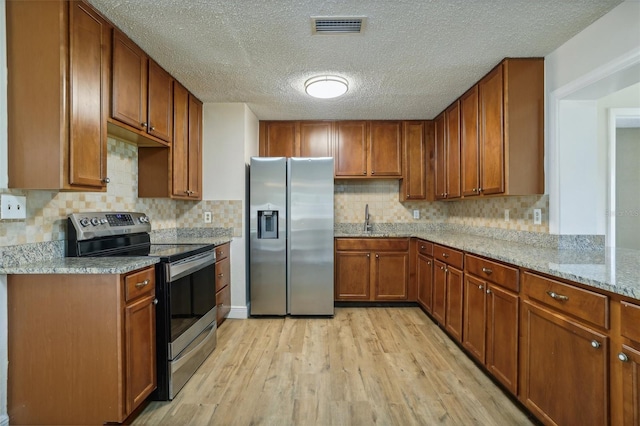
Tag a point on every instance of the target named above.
point(408, 196)
point(481, 287)
point(595, 344)
point(488, 291)
point(479, 189)
point(487, 271)
point(364, 173)
point(221, 253)
point(368, 255)
point(428, 262)
point(623, 357)
point(106, 180)
point(155, 301)
point(221, 275)
point(372, 172)
point(421, 247)
point(152, 128)
point(143, 124)
point(442, 268)
point(474, 190)
point(377, 256)
point(445, 255)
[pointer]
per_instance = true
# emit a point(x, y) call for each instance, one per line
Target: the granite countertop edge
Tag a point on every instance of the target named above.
point(588, 267)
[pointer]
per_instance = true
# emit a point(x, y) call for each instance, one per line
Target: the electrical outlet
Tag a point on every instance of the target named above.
point(537, 216)
point(13, 206)
point(506, 215)
point(207, 217)
point(416, 214)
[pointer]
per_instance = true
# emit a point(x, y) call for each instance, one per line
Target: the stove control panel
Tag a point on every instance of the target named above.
point(101, 224)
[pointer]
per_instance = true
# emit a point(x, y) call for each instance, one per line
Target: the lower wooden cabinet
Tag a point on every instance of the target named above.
point(625, 366)
point(370, 269)
point(424, 275)
point(223, 282)
point(491, 317)
point(82, 347)
point(564, 371)
point(448, 290)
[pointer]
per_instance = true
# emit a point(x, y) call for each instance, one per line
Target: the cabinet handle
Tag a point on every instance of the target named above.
point(488, 291)
point(221, 275)
point(142, 284)
point(558, 297)
point(474, 190)
point(143, 124)
point(221, 253)
point(446, 194)
point(106, 180)
point(155, 301)
point(364, 173)
point(487, 271)
point(408, 196)
point(372, 172)
point(481, 287)
point(152, 128)
point(368, 254)
point(623, 357)
point(421, 247)
point(442, 268)
point(428, 262)
point(479, 189)
point(595, 344)
point(445, 255)
point(377, 256)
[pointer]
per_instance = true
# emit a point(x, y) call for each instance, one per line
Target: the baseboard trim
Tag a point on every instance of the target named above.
point(237, 312)
point(4, 420)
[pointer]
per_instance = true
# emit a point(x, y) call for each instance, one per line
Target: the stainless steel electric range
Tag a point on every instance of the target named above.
point(185, 288)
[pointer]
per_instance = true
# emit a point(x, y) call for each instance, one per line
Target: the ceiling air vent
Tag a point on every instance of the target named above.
point(335, 25)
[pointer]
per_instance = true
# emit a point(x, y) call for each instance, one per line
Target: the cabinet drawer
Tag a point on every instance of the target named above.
point(373, 244)
point(448, 255)
point(497, 273)
point(222, 251)
point(425, 248)
point(139, 283)
point(584, 304)
point(223, 273)
point(630, 321)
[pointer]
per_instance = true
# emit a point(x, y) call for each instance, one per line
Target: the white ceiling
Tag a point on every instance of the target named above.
point(413, 59)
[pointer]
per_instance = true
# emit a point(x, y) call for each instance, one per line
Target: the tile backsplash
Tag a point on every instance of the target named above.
point(47, 210)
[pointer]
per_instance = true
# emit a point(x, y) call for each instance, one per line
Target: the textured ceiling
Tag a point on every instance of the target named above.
point(413, 59)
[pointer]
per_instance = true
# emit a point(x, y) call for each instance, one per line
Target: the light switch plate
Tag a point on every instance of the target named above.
point(416, 214)
point(13, 206)
point(506, 215)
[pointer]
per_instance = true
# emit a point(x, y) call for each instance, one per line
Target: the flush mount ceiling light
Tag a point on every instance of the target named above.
point(326, 86)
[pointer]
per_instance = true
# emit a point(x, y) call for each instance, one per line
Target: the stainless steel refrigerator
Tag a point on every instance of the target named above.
point(291, 236)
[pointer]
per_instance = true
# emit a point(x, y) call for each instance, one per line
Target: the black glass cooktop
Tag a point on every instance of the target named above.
point(173, 252)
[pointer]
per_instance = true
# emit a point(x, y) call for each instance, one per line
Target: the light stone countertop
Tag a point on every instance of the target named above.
point(82, 265)
point(610, 269)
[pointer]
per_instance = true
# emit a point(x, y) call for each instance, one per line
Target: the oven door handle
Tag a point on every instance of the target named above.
point(184, 267)
point(195, 346)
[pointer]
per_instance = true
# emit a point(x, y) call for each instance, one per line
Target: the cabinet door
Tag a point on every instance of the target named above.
point(454, 303)
point(385, 148)
point(352, 275)
point(502, 336)
point(180, 146)
point(630, 385)
point(195, 148)
point(475, 316)
point(453, 150)
point(439, 291)
point(129, 82)
point(89, 81)
point(350, 149)
point(469, 142)
point(140, 351)
point(414, 184)
point(441, 157)
point(564, 371)
point(160, 89)
point(425, 282)
point(316, 139)
point(490, 92)
point(279, 139)
point(223, 304)
point(391, 276)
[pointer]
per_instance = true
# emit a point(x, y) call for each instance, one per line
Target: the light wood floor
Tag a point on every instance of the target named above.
point(388, 366)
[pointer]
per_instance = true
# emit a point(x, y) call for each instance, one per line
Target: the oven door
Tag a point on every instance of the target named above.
point(192, 299)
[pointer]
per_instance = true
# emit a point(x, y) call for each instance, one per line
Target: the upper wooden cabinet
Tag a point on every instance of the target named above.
point(447, 181)
point(176, 171)
point(316, 139)
point(350, 149)
point(279, 139)
point(142, 92)
point(418, 152)
point(469, 146)
point(385, 148)
point(58, 56)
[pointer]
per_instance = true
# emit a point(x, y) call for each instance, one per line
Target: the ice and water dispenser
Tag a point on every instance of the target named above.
point(267, 224)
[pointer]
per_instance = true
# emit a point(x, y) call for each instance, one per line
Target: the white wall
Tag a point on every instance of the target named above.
point(627, 184)
point(603, 58)
point(229, 135)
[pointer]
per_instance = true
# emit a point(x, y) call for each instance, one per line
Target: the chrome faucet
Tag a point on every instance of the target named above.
point(367, 225)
